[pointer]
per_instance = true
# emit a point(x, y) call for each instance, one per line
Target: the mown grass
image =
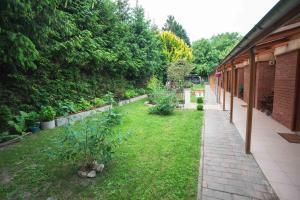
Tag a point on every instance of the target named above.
point(158, 161)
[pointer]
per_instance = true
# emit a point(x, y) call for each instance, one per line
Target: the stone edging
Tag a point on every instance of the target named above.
point(64, 120)
point(61, 121)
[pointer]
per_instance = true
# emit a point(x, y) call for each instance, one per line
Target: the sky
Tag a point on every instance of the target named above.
point(205, 18)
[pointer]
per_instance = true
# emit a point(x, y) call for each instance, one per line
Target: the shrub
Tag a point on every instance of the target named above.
point(154, 84)
point(113, 117)
point(140, 91)
point(18, 124)
point(200, 107)
point(129, 94)
point(83, 105)
point(200, 100)
point(47, 113)
point(31, 118)
point(109, 98)
point(98, 102)
point(165, 104)
point(66, 107)
point(89, 140)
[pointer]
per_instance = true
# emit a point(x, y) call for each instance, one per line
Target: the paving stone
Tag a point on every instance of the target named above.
point(228, 173)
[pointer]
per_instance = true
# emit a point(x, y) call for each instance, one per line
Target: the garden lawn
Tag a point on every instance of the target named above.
point(159, 160)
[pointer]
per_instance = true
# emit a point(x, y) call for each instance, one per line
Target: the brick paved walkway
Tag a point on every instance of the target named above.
point(227, 172)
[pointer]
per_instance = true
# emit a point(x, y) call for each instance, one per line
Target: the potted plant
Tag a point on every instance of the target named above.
point(47, 117)
point(31, 122)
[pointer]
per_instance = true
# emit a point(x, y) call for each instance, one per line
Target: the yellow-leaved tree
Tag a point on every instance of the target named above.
point(174, 48)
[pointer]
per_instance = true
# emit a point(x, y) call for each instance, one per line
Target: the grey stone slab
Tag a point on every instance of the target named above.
point(228, 173)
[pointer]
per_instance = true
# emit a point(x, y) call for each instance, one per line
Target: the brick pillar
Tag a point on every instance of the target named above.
point(285, 88)
point(265, 75)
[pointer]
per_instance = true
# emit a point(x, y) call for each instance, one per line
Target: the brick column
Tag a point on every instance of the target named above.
point(265, 75)
point(285, 88)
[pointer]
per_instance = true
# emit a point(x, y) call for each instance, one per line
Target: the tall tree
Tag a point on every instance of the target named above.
point(176, 28)
point(208, 53)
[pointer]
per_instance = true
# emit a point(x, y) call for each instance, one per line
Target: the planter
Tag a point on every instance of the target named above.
point(48, 125)
point(34, 129)
point(61, 121)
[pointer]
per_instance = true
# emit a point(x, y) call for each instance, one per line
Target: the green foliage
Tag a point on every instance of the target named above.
point(88, 140)
point(130, 93)
point(47, 113)
point(154, 84)
point(31, 119)
point(173, 26)
point(200, 107)
point(200, 100)
point(52, 51)
point(18, 124)
point(208, 53)
point(140, 91)
point(83, 105)
point(5, 117)
point(66, 107)
point(97, 102)
point(109, 98)
point(174, 48)
point(165, 104)
point(177, 72)
point(112, 117)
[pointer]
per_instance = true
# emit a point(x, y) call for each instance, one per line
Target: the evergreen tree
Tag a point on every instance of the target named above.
point(173, 26)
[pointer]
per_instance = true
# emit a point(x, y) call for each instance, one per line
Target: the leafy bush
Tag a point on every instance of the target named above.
point(200, 100)
point(66, 107)
point(113, 117)
point(200, 107)
point(109, 98)
point(97, 102)
point(47, 113)
point(31, 118)
point(18, 124)
point(83, 105)
point(140, 91)
point(154, 84)
point(154, 96)
point(165, 104)
point(92, 139)
point(129, 94)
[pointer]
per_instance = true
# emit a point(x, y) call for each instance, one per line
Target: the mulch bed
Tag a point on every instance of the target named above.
point(291, 138)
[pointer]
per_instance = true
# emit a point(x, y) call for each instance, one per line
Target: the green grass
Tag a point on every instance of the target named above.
point(195, 87)
point(158, 161)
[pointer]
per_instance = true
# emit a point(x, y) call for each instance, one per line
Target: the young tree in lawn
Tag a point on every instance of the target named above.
point(177, 71)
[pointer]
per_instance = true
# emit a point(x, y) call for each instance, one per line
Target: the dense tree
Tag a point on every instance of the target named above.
point(173, 49)
point(208, 53)
point(54, 50)
point(178, 70)
point(176, 28)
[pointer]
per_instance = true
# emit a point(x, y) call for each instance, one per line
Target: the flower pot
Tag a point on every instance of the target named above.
point(48, 125)
point(34, 128)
